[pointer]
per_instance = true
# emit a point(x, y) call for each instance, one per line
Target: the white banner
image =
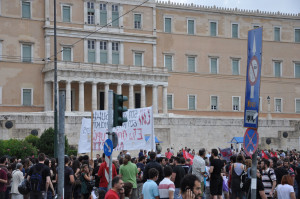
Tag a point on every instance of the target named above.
point(131, 136)
point(84, 145)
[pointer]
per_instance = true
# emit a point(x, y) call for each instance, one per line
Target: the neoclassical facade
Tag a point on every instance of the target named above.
point(178, 58)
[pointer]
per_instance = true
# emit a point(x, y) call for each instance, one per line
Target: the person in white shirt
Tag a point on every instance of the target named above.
point(17, 178)
point(285, 190)
point(166, 187)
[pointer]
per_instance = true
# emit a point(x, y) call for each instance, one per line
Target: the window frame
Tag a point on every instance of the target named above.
point(104, 11)
point(1, 50)
point(172, 102)
point(139, 52)
point(30, 3)
point(296, 28)
point(187, 63)
point(62, 13)
point(141, 22)
point(102, 50)
point(31, 103)
point(274, 68)
point(187, 25)
point(217, 65)
point(115, 51)
point(295, 104)
point(239, 108)
point(1, 94)
point(62, 52)
point(238, 30)
point(168, 17)
point(31, 58)
point(274, 39)
point(239, 65)
point(112, 11)
point(172, 65)
point(217, 30)
point(217, 106)
point(295, 69)
point(189, 95)
point(89, 10)
point(281, 105)
point(91, 49)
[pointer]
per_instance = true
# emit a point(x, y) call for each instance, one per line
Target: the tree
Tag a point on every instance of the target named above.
point(18, 148)
point(32, 139)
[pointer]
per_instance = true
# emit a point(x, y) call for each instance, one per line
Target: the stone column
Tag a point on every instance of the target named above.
point(94, 96)
point(131, 104)
point(68, 96)
point(47, 96)
point(165, 100)
point(143, 96)
point(106, 96)
point(81, 96)
point(119, 89)
point(154, 99)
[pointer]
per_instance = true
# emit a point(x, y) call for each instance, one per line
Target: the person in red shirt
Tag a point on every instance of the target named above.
point(168, 154)
point(103, 174)
point(117, 190)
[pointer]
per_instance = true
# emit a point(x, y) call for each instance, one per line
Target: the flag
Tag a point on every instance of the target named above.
point(264, 155)
point(272, 155)
point(186, 155)
point(226, 153)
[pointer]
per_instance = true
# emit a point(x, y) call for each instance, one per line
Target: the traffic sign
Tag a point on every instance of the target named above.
point(253, 78)
point(251, 139)
point(108, 147)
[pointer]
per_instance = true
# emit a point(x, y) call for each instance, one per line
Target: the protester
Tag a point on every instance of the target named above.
point(168, 154)
point(150, 188)
point(117, 190)
point(39, 178)
point(85, 179)
point(153, 164)
point(128, 172)
point(127, 190)
point(280, 171)
point(268, 178)
point(285, 190)
point(101, 173)
point(17, 178)
point(3, 165)
point(260, 192)
point(190, 187)
point(68, 179)
point(237, 170)
point(177, 175)
point(3, 181)
point(216, 180)
point(141, 168)
point(199, 168)
point(166, 186)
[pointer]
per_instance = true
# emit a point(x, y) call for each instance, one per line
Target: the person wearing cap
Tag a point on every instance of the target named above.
point(17, 178)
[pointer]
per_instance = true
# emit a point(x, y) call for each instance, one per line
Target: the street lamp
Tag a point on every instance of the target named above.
point(269, 107)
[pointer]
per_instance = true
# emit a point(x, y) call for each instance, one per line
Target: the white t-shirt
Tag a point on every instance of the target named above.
point(284, 191)
point(164, 187)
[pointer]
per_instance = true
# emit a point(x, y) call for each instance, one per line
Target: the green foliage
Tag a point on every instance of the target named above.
point(17, 148)
point(46, 143)
point(32, 139)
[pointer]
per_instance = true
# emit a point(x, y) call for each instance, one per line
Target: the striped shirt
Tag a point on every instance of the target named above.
point(268, 176)
point(164, 187)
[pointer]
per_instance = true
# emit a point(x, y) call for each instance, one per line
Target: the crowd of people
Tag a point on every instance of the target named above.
point(152, 175)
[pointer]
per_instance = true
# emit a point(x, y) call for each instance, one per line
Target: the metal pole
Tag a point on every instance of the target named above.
point(61, 145)
point(55, 85)
point(110, 126)
point(253, 175)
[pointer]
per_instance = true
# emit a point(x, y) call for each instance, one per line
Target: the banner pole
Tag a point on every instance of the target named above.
point(92, 130)
point(110, 127)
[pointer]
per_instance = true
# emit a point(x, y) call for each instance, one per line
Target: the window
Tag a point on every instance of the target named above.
point(278, 105)
point(91, 13)
point(170, 101)
point(235, 66)
point(192, 102)
point(0, 95)
point(234, 30)
point(191, 64)
point(297, 35)
point(214, 102)
point(191, 26)
point(66, 10)
point(168, 24)
point(235, 103)
point(26, 97)
point(169, 62)
point(276, 34)
point(26, 12)
point(214, 65)
point(103, 14)
point(0, 50)
point(213, 29)
point(115, 16)
point(297, 70)
point(103, 52)
point(297, 103)
point(115, 52)
point(26, 53)
point(138, 59)
point(91, 51)
point(67, 54)
point(277, 69)
point(137, 21)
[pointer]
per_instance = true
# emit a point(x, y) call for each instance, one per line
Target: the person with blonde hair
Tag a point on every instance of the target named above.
point(285, 190)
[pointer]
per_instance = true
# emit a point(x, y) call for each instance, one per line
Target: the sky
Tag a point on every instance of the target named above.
point(283, 6)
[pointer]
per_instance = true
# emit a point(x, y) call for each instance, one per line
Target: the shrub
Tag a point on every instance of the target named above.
point(18, 148)
point(32, 139)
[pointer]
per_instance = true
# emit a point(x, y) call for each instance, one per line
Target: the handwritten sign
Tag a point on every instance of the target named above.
point(84, 145)
point(131, 136)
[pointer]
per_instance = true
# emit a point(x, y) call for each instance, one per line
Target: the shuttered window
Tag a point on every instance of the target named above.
point(213, 65)
point(103, 14)
point(91, 51)
point(170, 101)
point(191, 27)
point(26, 13)
point(137, 21)
point(66, 13)
point(26, 53)
point(297, 70)
point(235, 103)
point(191, 64)
point(297, 35)
point(168, 25)
point(235, 30)
point(67, 54)
point(192, 102)
point(213, 29)
point(115, 52)
point(297, 105)
point(138, 59)
point(214, 103)
point(103, 52)
point(169, 62)
point(115, 15)
point(235, 67)
point(277, 69)
point(276, 34)
point(278, 107)
point(27, 101)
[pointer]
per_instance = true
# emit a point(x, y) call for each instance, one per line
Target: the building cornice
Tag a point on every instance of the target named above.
point(222, 10)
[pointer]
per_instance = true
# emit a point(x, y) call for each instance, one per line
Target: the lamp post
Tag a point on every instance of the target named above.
point(269, 109)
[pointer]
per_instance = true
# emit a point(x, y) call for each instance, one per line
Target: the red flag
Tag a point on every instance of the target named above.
point(275, 154)
point(186, 155)
point(272, 155)
point(264, 155)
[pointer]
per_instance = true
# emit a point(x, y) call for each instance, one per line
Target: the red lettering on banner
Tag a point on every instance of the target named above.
point(139, 133)
point(145, 118)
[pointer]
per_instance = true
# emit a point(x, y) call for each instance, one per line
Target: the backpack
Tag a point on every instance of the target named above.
point(36, 180)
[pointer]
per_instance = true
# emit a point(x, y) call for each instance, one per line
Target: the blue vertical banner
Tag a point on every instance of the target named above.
point(253, 78)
